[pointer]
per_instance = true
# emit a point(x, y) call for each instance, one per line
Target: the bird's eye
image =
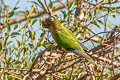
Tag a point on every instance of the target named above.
point(51, 19)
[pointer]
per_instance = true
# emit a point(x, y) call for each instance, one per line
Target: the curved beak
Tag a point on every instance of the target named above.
point(45, 22)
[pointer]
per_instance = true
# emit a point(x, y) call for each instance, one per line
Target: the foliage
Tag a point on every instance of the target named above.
point(27, 50)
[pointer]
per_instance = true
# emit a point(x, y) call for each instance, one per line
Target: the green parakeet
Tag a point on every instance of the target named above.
point(64, 37)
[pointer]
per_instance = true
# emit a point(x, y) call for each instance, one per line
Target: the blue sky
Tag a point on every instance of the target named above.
point(23, 4)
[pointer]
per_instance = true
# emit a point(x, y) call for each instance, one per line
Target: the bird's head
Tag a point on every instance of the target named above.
point(49, 22)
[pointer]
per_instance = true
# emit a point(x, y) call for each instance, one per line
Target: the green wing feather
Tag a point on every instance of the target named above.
point(67, 39)
point(76, 39)
point(72, 34)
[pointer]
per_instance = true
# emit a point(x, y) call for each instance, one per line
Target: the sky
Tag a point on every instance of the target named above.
point(25, 4)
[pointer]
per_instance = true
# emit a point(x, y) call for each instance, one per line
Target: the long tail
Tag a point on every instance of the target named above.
point(83, 55)
point(85, 48)
point(80, 53)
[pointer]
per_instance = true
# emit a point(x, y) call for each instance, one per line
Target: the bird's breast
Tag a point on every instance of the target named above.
point(53, 31)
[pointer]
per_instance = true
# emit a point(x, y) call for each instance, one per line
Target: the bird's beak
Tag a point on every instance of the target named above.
point(45, 23)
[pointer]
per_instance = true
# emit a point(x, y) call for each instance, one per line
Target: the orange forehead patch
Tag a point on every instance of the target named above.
point(46, 19)
point(43, 21)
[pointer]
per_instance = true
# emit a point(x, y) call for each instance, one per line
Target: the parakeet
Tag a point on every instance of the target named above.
point(64, 37)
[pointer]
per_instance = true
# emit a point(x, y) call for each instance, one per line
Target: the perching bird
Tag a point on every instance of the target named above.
point(64, 37)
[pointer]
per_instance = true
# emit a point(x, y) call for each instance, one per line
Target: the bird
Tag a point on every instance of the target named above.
point(64, 37)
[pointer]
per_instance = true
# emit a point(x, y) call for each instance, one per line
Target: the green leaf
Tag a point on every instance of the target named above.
point(33, 35)
point(23, 37)
point(9, 42)
point(76, 22)
point(32, 9)
point(118, 50)
point(66, 76)
point(25, 52)
point(41, 37)
point(100, 22)
point(45, 44)
point(106, 1)
point(116, 10)
point(40, 22)
point(109, 1)
point(95, 12)
point(50, 4)
point(18, 62)
point(10, 14)
point(90, 15)
point(26, 11)
point(95, 23)
point(15, 33)
point(15, 27)
point(64, 14)
point(8, 60)
point(0, 46)
point(77, 3)
point(70, 11)
point(8, 27)
point(6, 40)
point(31, 45)
point(26, 24)
point(69, 3)
point(15, 8)
point(110, 68)
point(34, 56)
point(14, 47)
point(34, 21)
point(18, 42)
point(18, 13)
point(96, 1)
point(37, 4)
point(114, 16)
point(109, 24)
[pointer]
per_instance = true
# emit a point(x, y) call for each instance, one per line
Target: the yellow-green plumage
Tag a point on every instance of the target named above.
point(64, 37)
